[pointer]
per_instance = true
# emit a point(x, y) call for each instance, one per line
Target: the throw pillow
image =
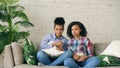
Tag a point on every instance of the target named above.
point(113, 49)
point(107, 60)
point(30, 52)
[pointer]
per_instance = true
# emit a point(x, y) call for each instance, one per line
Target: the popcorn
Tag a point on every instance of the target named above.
point(80, 54)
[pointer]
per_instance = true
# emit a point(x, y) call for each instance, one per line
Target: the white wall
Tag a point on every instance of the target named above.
point(101, 17)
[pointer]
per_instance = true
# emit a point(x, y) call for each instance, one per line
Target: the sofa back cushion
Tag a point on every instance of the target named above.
point(17, 53)
point(8, 57)
point(99, 48)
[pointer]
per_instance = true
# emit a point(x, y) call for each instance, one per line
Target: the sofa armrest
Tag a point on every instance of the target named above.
point(1, 61)
point(8, 57)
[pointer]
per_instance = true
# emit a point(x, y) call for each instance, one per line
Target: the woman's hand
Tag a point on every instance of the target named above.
point(76, 57)
point(79, 58)
point(59, 45)
point(82, 58)
point(60, 48)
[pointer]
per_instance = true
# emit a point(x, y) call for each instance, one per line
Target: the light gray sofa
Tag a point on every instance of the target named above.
point(13, 56)
point(1, 60)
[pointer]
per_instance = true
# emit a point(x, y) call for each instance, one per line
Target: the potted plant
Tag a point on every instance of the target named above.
point(12, 17)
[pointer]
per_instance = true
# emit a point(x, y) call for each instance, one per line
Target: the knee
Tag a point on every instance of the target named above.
point(68, 54)
point(40, 54)
point(68, 61)
point(95, 59)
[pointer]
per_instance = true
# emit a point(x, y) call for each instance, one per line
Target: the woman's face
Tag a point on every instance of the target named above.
point(58, 29)
point(75, 30)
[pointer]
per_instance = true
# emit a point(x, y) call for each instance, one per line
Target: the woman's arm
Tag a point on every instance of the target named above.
point(89, 48)
point(44, 43)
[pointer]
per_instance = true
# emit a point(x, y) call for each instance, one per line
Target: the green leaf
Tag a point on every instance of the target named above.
point(2, 7)
point(4, 37)
point(16, 8)
point(21, 15)
point(2, 28)
point(24, 23)
point(22, 35)
point(16, 28)
point(8, 1)
point(3, 16)
point(1, 48)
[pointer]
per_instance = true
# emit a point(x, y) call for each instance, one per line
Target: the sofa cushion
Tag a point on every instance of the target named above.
point(99, 48)
point(1, 61)
point(113, 49)
point(35, 66)
point(8, 57)
point(17, 53)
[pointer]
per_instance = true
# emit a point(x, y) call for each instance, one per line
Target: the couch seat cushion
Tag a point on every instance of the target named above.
point(35, 66)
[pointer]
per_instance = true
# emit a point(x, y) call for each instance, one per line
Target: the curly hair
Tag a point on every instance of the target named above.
point(59, 21)
point(81, 26)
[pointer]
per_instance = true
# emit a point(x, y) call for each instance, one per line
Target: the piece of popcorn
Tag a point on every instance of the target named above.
point(51, 42)
point(80, 54)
